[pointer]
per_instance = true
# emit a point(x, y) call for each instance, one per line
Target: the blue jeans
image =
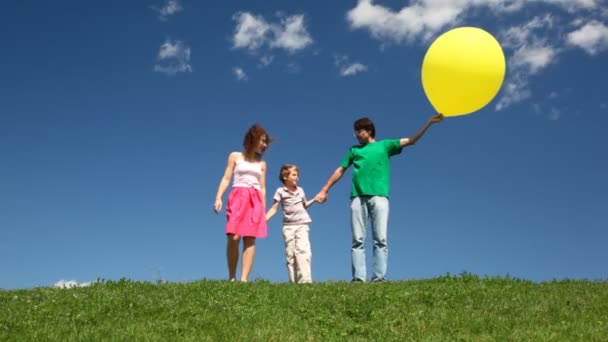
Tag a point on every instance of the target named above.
point(375, 210)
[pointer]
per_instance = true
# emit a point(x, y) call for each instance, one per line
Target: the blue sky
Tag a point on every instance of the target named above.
point(116, 119)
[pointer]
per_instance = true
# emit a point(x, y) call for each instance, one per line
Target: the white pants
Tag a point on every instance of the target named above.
point(297, 253)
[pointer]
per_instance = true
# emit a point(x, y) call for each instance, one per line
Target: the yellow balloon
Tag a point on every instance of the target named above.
point(463, 71)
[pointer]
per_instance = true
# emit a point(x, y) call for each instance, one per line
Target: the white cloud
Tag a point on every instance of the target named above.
point(173, 57)
point(573, 5)
point(170, 8)
point(534, 58)
point(239, 73)
point(68, 284)
point(348, 68)
point(253, 32)
point(291, 35)
point(266, 60)
point(534, 45)
point(530, 52)
point(513, 91)
point(423, 19)
point(520, 35)
point(592, 37)
point(353, 69)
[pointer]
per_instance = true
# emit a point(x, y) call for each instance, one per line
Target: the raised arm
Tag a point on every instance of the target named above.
point(411, 141)
point(225, 181)
point(273, 210)
point(321, 197)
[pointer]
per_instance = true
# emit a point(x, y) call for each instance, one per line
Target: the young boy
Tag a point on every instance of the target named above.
point(295, 224)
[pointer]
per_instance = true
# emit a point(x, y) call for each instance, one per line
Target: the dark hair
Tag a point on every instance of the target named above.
point(285, 169)
point(252, 138)
point(366, 124)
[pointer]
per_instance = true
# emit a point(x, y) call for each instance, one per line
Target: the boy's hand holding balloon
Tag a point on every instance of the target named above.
point(437, 118)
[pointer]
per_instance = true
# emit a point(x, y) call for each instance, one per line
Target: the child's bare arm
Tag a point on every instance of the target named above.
point(272, 210)
point(309, 202)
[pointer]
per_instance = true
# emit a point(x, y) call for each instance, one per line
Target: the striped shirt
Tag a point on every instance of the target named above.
point(293, 205)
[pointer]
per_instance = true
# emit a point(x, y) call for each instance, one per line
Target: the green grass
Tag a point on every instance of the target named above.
point(463, 307)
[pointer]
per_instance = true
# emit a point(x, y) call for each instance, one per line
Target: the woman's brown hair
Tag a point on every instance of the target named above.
point(252, 138)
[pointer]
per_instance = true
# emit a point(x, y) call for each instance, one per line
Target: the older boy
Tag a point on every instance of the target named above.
point(370, 192)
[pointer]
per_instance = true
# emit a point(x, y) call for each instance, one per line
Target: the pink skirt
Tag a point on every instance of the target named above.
point(245, 213)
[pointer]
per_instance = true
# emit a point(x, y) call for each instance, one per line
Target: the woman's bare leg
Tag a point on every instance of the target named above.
point(232, 254)
point(248, 256)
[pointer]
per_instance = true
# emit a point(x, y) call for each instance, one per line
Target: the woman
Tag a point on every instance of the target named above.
point(247, 200)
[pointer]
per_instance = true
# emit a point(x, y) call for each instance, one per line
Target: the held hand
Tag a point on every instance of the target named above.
point(321, 197)
point(218, 205)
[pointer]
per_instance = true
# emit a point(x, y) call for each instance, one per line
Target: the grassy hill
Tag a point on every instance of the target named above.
point(463, 307)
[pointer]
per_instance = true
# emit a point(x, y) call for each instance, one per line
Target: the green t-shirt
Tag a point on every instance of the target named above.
point(371, 172)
